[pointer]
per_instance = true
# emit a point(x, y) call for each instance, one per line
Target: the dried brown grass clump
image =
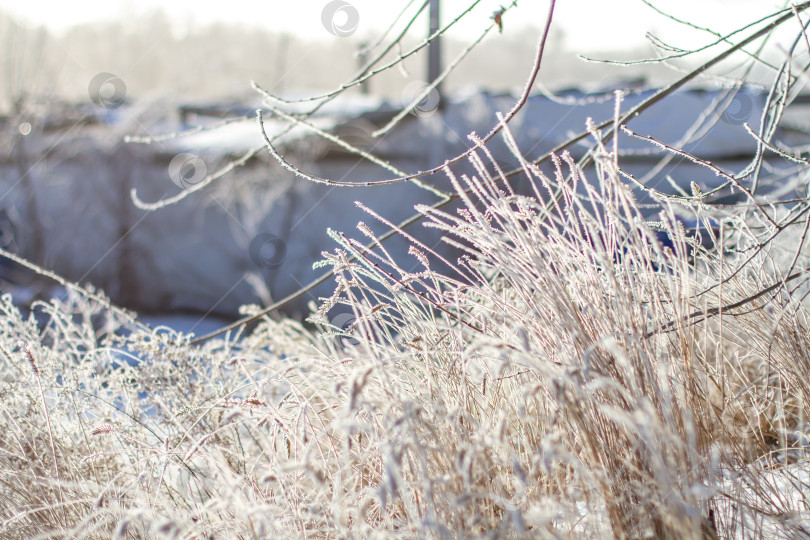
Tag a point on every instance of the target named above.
point(571, 377)
point(561, 383)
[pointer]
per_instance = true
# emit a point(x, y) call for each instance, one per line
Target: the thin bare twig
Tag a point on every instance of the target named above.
point(518, 105)
point(632, 113)
point(711, 312)
point(366, 74)
point(704, 163)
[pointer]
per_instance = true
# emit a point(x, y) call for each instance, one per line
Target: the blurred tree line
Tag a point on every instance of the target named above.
point(218, 61)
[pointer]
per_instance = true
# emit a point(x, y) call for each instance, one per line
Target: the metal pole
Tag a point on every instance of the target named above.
point(362, 58)
point(435, 47)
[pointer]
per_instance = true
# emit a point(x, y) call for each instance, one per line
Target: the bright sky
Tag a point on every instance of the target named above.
point(589, 24)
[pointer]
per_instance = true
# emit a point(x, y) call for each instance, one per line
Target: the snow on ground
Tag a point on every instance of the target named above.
point(185, 324)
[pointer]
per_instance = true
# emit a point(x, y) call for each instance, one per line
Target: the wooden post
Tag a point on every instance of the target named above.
point(435, 47)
